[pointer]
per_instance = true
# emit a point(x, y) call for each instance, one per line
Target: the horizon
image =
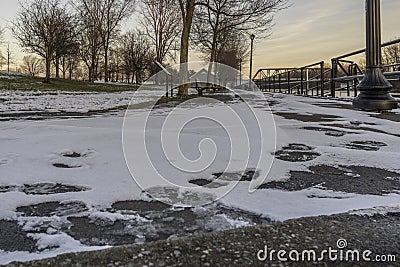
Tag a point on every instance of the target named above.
point(306, 32)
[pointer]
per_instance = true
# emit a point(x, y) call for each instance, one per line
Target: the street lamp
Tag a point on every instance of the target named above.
point(374, 88)
point(252, 36)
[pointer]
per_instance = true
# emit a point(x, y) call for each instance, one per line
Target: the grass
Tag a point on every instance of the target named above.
point(19, 82)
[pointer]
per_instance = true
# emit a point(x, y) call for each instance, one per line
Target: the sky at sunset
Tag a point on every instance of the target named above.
point(307, 32)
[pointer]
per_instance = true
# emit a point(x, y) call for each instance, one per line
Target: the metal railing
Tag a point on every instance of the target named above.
point(342, 78)
point(307, 80)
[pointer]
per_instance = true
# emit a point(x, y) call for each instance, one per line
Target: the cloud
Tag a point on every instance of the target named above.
point(314, 30)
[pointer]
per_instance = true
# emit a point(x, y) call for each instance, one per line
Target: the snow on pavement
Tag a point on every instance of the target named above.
point(34, 152)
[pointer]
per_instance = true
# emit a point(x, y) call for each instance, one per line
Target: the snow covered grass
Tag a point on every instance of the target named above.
point(35, 102)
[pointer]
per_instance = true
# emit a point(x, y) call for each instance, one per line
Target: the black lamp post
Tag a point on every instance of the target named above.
point(374, 88)
point(252, 36)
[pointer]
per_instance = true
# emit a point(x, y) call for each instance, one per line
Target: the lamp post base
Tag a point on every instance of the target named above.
point(374, 92)
point(375, 102)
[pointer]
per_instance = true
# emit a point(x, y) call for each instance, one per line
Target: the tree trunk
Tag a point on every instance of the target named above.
point(96, 71)
point(90, 69)
point(106, 65)
point(57, 67)
point(64, 71)
point(48, 66)
point(213, 50)
point(8, 63)
point(187, 25)
point(212, 61)
point(70, 71)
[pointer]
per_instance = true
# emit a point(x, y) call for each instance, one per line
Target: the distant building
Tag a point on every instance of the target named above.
point(201, 76)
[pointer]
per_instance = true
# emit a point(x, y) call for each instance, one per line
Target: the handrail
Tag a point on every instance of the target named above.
point(342, 71)
point(168, 78)
point(363, 50)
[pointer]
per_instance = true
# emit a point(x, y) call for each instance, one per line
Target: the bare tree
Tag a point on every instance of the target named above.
point(68, 44)
point(68, 63)
point(42, 27)
point(90, 44)
point(137, 56)
point(32, 65)
point(161, 21)
point(215, 19)
point(187, 8)
point(245, 15)
point(3, 60)
point(115, 62)
point(391, 54)
point(233, 49)
point(106, 16)
point(89, 52)
point(10, 58)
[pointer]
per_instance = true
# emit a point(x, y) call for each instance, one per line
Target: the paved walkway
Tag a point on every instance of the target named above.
point(374, 171)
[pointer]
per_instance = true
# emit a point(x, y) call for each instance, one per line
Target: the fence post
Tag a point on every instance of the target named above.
point(269, 84)
point(279, 81)
point(289, 88)
point(172, 86)
point(301, 81)
point(333, 76)
point(322, 78)
point(274, 81)
point(166, 84)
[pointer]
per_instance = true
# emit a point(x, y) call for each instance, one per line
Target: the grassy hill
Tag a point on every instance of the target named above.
point(24, 82)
